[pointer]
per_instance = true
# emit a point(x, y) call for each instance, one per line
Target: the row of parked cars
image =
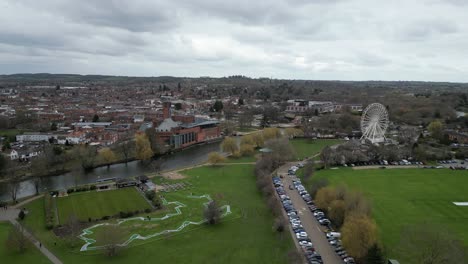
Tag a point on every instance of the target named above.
point(383, 163)
point(302, 237)
point(332, 237)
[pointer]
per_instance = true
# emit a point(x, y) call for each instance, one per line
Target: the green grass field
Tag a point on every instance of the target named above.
point(309, 147)
point(31, 255)
point(95, 205)
point(409, 196)
point(246, 236)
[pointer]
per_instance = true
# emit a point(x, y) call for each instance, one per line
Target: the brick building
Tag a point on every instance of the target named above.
point(180, 131)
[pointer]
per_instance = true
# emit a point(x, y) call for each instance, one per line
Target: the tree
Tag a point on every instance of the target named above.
point(127, 148)
point(240, 101)
point(327, 156)
point(178, 106)
point(95, 118)
point(247, 150)
point(108, 156)
point(86, 155)
point(337, 212)
point(247, 140)
point(246, 119)
point(53, 126)
point(110, 236)
point(431, 244)
point(229, 145)
point(356, 203)
point(143, 147)
point(316, 186)
point(324, 198)
point(358, 234)
point(74, 229)
point(212, 213)
point(215, 158)
point(218, 106)
point(281, 151)
point(13, 186)
point(258, 139)
point(375, 255)
point(21, 215)
point(435, 128)
point(308, 170)
point(228, 127)
point(271, 133)
point(294, 132)
point(16, 240)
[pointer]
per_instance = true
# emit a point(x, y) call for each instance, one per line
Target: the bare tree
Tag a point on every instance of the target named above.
point(16, 240)
point(111, 236)
point(308, 170)
point(74, 229)
point(13, 187)
point(127, 148)
point(212, 213)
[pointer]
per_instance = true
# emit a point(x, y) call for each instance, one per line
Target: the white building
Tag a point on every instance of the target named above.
point(34, 137)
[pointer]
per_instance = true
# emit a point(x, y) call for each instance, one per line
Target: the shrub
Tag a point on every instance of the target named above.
point(156, 201)
point(150, 195)
point(147, 210)
point(21, 215)
point(92, 187)
point(106, 217)
point(70, 190)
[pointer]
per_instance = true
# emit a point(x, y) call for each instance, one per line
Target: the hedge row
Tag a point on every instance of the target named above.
point(82, 189)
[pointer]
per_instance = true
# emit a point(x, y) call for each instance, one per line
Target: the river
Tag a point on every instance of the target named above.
point(188, 157)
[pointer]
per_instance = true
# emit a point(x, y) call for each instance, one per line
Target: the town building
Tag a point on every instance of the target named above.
point(180, 131)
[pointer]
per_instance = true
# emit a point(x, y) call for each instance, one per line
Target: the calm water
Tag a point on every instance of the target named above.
point(188, 157)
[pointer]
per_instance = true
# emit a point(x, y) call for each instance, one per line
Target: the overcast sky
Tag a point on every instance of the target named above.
point(295, 39)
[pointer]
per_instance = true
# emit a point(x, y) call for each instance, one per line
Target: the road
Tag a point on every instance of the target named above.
point(310, 224)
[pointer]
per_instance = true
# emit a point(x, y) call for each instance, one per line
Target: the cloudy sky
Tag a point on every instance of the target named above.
point(293, 39)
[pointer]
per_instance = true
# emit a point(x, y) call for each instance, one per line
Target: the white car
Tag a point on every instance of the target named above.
point(301, 235)
point(317, 213)
point(305, 243)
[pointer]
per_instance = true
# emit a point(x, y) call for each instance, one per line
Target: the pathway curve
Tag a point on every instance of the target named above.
point(19, 205)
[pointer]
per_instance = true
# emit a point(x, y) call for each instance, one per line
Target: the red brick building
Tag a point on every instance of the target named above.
point(180, 131)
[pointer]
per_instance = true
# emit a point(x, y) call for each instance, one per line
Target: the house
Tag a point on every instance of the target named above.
point(34, 137)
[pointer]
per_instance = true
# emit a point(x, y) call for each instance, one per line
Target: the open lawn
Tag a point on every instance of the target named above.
point(245, 236)
point(31, 255)
point(409, 196)
point(309, 147)
point(95, 205)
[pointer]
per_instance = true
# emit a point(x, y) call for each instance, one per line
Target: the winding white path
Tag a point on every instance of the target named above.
point(88, 231)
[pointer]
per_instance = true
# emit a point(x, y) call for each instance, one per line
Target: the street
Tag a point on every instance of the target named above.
point(310, 224)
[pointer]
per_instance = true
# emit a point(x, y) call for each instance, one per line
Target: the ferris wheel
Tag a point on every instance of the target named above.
point(374, 123)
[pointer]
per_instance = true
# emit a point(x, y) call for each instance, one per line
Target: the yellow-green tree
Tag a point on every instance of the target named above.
point(271, 133)
point(258, 139)
point(143, 147)
point(294, 132)
point(248, 140)
point(337, 212)
point(358, 234)
point(229, 145)
point(214, 158)
point(107, 156)
point(247, 150)
point(324, 198)
point(436, 129)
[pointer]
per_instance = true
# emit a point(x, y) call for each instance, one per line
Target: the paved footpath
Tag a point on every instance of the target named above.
point(310, 224)
point(11, 214)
